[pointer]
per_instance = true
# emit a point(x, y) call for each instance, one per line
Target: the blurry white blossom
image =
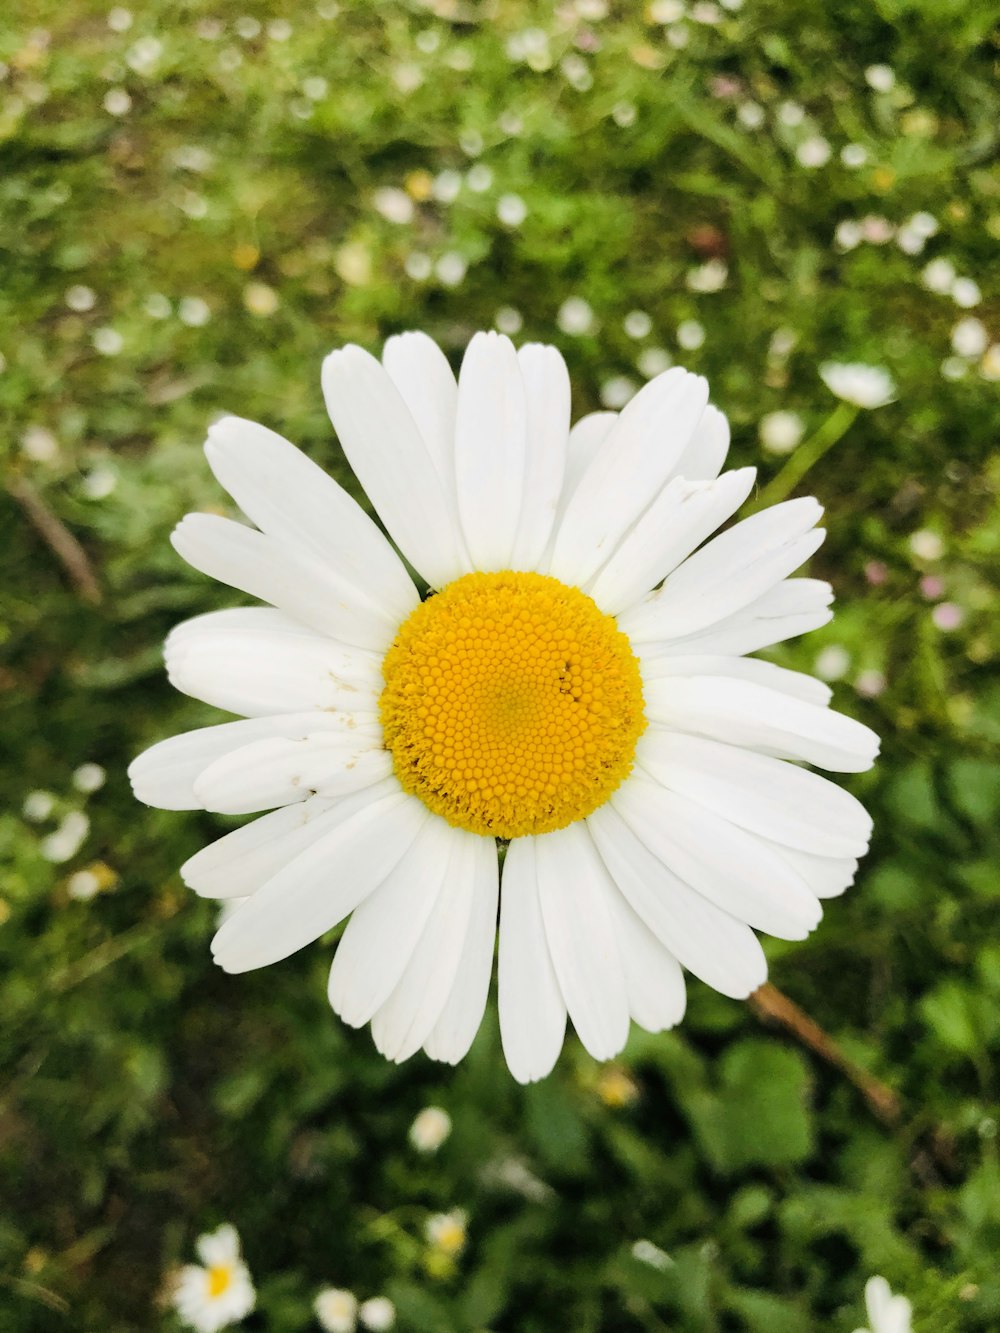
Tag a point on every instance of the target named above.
point(781, 431)
point(575, 316)
point(690, 335)
point(864, 386)
point(430, 1129)
point(813, 152)
point(336, 1310)
point(210, 1297)
point(965, 293)
point(378, 1314)
point(89, 778)
point(880, 78)
point(969, 337)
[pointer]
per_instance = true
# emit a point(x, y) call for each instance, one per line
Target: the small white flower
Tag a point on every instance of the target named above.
point(708, 277)
point(89, 778)
point(218, 1292)
point(666, 11)
point(38, 805)
point(854, 155)
point(938, 276)
point(618, 390)
point(39, 444)
point(813, 152)
point(194, 312)
point(791, 114)
point(377, 1314)
point(447, 1231)
point(66, 841)
point(965, 293)
point(247, 27)
point(624, 114)
point(511, 210)
point(508, 320)
point(119, 19)
point(969, 337)
point(648, 1253)
point(886, 1313)
point(880, 78)
point(910, 241)
point(751, 115)
point(690, 335)
point(83, 886)
point(848, 234)
point(576, 72)
point(479, 178)
point(99, 483)
point(832, 662)
point(117, 102)
point(864, 386)
point(877, 230)
point(107, 341)
point(394, 204)
point(446, 186)
point(870, 684)
point(430, 1129)
point(926, 545)
point(315, 87)
point(780, 432)
point(924, 224)
point(193, 204)
point(336, 1310)
point(279, 30)
point(451, 268)
point(653, 361)
point(418, 266)
point(143, 56)
point(575, 316)
point(637, 324)
point(157, 306)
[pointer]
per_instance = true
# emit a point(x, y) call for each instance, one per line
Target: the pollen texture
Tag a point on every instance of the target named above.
point(512, 705)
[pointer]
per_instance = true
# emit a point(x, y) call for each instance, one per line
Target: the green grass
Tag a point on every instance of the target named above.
point(146, 1096)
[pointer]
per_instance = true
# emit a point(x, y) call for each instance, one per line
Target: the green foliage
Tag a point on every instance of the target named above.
point(215, 197)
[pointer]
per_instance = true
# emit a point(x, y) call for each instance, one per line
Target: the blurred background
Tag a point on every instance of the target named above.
point(197, 201)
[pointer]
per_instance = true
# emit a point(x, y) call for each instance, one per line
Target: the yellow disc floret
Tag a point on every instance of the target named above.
point(512, 704)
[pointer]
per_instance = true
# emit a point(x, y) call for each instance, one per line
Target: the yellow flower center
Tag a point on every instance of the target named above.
point(512, 705)
point(219, 1278)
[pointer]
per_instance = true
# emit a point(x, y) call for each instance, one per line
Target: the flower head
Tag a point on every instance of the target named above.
point(886, 1313)
point(430, 1129)
point(336, 1310)
point(575, 686)
point(864, 386)
point(218, 1292)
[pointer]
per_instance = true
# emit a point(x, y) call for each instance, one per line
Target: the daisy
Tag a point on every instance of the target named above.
point(220, 1293)
point(576, 689)
point(886, 1313)
point(860, 385)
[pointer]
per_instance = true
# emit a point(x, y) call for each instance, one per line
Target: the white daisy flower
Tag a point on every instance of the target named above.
point(886, 1313)
point(576, 687)
point(336, 1310)
point(864, 386)
point(220, 1292)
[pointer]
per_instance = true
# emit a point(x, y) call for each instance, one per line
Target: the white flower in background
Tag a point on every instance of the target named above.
point(864, 386)
point(653, 361)
point(508, 320)
point(336, 1310)
point(751, 115)
point(709, 277)
point(89, 778)
point(378, 1314)
point(40, 445)
point(578, 686)
point(451, 269)
point(575, 316)
point(880, 78)
point(886, 1313)
point(430, 1129)
point(637, 324)
point(926, 544)
point(813, 152)
point(690, 335)
point(395, 205)
point(68, 838)
point(218, 1292)
point(969, 337)
point(511, 210)
point(832, 662)
point(848, 234)
point(648, 1253)
point(617, 390)
point(479, 178)
point(965, 293)
point(107, 341)
point(38, 805)
point(447, 1231)
point(939, 275)
point(780, 432)
point(854, 155)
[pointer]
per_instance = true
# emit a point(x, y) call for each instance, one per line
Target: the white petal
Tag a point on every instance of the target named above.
point(766, 796)
point(292, 499)
point(792, 607)
point(368, 834)
point(730, 573)
point(702, 460)
point(742, 712)
point(532, 1009)
point(384, 930)
point(421, 373)
point(627, 471)
point(679, 519)
point(795, 683)
point(462, 1014)
point(407, 1018)
point(547, 396)
point(394, 464)
point(653, 977)
point(827, 876)
point(585, 439)
point(276, 771)
point(164, 774)
point(238, 864)
point(727, 865)
point(574, 890)
point(490, 449)
point(722, 951)
point(254, 661)
point(292, 579)
point(219, 1247)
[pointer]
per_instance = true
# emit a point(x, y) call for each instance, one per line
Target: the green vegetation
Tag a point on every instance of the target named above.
point(190, 218)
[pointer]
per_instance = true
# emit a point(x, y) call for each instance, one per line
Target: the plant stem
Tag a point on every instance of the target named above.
point(806, 455)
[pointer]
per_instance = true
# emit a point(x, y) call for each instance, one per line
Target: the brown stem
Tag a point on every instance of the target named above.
point(58, 538)
point(774, 1007)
